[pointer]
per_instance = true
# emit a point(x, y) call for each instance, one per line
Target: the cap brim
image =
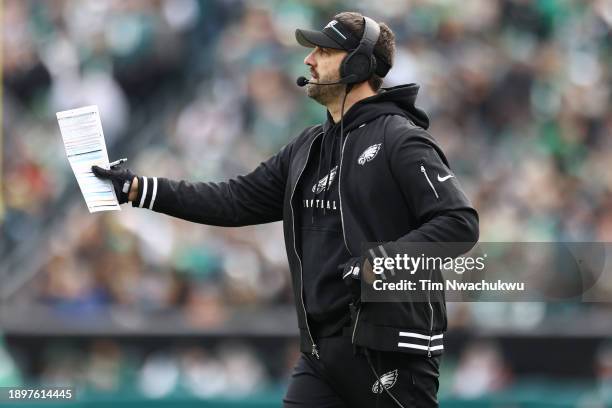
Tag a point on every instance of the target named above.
point(311, 39)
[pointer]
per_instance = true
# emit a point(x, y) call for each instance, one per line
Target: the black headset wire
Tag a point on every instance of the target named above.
point(366, 350)
point(328, 178)
point(316, 186)
point(347, 89)
point(346, 92)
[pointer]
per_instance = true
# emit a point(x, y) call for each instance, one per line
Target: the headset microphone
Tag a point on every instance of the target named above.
point(302, 81)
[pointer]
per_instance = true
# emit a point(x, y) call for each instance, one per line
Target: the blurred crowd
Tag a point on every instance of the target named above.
point(519, 94)
point(239, 370)
point(106, 366)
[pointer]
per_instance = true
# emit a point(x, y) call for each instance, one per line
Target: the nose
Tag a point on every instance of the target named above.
point(309, 60)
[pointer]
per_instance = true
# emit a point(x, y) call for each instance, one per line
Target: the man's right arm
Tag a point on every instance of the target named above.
point(254, 198)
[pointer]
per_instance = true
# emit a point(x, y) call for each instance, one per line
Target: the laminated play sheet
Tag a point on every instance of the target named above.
point(85, 146)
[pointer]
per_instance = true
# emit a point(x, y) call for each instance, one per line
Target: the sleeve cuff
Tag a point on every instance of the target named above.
point(147, 193)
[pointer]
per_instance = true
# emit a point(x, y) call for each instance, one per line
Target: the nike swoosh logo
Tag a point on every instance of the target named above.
point(441, 179)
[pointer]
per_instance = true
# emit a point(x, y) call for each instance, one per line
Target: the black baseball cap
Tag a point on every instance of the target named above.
point(334, 35)
point(337, 36)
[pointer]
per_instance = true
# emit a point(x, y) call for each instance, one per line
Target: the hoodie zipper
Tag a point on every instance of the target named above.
point(314, 350)
point(343, 229)
point(340, 194)
point(429, 181)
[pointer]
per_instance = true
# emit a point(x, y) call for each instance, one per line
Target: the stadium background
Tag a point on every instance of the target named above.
point(135, 307)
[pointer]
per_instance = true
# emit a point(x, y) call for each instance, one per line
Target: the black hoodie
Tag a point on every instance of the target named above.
point(387, 192)
point(320, 242)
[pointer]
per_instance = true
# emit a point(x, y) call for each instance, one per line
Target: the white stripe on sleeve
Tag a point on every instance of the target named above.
point(144, 192)
point(154, 193)
point(420, 336)
point(419, 347)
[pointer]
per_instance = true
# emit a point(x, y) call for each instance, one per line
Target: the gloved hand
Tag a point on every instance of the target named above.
point(353, 271)
point(356, 268)
point(121, 178)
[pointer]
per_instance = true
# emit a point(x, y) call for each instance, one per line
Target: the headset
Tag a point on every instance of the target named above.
point(360, 64)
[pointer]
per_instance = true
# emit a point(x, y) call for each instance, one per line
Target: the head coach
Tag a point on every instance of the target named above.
point(370, 173)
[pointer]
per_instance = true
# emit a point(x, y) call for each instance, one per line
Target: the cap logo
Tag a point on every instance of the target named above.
point(332, 25)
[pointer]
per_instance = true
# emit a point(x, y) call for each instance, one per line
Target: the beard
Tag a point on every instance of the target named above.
point(325, 94)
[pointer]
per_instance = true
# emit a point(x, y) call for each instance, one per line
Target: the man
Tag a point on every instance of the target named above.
point(370, 173)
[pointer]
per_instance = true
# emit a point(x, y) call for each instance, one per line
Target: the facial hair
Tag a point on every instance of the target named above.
point(325, 94)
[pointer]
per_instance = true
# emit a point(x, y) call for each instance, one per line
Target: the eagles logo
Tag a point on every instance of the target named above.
point(320, 186)
point(387, 379)
point(368, 154)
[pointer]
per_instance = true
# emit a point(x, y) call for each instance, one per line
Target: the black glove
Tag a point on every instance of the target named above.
point(356, 269)
point(353, 268)
point(351, 276)
point(121, 178)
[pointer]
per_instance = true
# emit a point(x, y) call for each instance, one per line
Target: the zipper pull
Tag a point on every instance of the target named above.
point(429, 181)
point(314, 351)
point(428, 353)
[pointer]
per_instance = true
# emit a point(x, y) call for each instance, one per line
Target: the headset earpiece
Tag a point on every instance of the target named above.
point(360, 64)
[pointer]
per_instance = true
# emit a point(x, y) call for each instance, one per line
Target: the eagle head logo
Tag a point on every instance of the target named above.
point(320, 186)
point(387, 380)
point(368, 154)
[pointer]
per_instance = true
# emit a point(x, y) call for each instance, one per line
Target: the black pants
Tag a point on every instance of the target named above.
point(342, 379)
